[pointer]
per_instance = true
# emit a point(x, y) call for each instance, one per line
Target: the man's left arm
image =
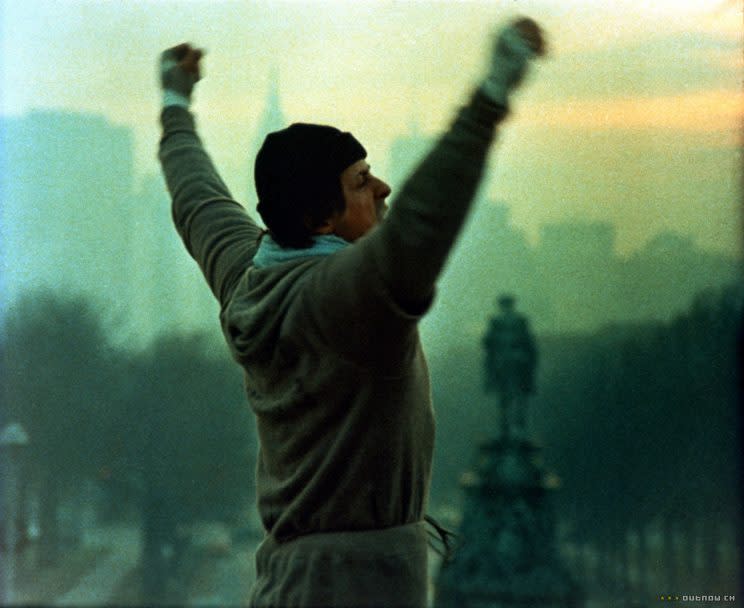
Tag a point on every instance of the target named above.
point(216, 230)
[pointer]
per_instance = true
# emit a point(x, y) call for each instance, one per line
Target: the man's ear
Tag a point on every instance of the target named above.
point(327, 226)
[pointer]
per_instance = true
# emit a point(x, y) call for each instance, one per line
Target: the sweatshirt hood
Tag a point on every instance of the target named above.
point(265, 301)
point(254, 318)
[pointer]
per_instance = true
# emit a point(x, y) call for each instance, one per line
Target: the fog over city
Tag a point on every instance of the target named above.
point(611, 210)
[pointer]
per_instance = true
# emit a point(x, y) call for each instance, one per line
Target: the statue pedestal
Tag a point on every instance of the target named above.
point(506, 555)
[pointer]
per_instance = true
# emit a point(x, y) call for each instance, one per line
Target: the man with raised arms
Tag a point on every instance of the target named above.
point(321, 310)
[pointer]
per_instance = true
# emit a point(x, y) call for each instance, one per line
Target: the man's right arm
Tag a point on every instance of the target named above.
point(387, 279)
point(431, 209)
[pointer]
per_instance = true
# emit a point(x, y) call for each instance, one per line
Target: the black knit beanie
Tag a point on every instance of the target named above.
point(297, 179)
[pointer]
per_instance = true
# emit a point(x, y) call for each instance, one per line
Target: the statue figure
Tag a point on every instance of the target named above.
point(511, 359)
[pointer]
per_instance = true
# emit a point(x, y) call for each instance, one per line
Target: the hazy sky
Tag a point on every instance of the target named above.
point(634, 118)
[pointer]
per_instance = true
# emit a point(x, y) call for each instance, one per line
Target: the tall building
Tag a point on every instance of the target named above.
point(67, 179)
point(272, 119)
point(73, 222)
point(167, 290)
point(406, 152)
point(662, 279)
point(576, 262)
point(578, 242)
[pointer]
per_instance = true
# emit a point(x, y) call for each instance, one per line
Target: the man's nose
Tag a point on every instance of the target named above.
point(383, 189)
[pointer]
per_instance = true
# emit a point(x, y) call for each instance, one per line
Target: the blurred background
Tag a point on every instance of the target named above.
point(611, 210)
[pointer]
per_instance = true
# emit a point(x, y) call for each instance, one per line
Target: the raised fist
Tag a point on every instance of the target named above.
point(516, 45)
point(532, 33)
point(180, 70)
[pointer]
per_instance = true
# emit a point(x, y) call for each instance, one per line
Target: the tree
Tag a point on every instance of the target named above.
point(57, 364)
point(181, 445)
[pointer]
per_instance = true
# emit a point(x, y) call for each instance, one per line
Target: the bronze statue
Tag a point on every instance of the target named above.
point(511, 359)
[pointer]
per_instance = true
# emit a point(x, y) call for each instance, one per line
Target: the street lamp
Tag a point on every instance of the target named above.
point(13, 439)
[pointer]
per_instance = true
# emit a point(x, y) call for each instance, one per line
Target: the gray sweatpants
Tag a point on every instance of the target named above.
point(343, 569)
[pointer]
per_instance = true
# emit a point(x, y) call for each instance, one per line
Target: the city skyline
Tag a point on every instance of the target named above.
point(634, 118)
point(118, 246)
point(611, 211)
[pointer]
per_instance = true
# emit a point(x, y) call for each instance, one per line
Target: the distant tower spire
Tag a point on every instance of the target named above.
point(271, 119)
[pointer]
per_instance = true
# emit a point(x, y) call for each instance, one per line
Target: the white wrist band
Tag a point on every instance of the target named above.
point(510, 61)
point(171, 98)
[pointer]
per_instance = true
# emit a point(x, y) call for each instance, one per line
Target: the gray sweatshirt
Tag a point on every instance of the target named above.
point(334, 369)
